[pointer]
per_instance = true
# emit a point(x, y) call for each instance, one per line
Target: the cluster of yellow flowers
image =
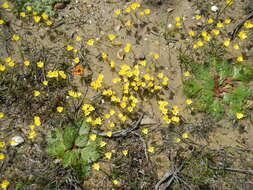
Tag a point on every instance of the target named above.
point(207, 35)
point(36, 123)
point(98, 82)
point(4, 184)
point(55, 74)
point(163, 106)
point(132, 6)
point(36, 17)
point(74, 94)
point(87, 108)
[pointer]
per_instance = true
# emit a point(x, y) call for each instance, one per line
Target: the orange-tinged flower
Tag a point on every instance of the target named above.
point(78, 70)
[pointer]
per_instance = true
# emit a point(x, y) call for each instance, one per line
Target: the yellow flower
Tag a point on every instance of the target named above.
point(112, 64)
point(210, 21)
point(229, 2)
point(8, 59)
point(15, 37)
point(128, 10)
point(102, 143)
point(111, 37)
point(204, 33)
point(52, 74)
point(226, 43)
point(32, 127)
point(123, 105)
point(236, 46)
point(227, 20)
point(175, 119)
point(147, 11)
point(22, 14)
point(36, 18)
point(2, 156)
point(177, 140)
point(219, 24)
point(115, 182)
point(69, 47)
point(144, 131)
point(2, 144)
point(76, 60)
point(215, 32)
point(5, 184)
point(36, 120)
point(177, 18)
point(1, 115)
point(242, 35)
point(35, 13)
point(188, 101)
point(125, 152)
point(32, 134)
point(127, 47)
point(12, 142)
point(36, 93)
point(92, 137)
point(90, 42)
point(175, 110)
point(49, 22)
point(128, 23)
point(191, 33)
point(40, 64)
point(26, 63)
point(155, 55)
point(239, 115)
point(2, 67)
point(62, 74)
point(109, 133)
point(104, 55)
point(248, 24)
point(239, 58)
point(5, 5)
point(59, 109)
point(28, 8)
point(187, 74)
point(197, 17)
point(87, 108)
point(150, 149)
point(96, 166)
point(207, 37)
point(78, 38)
point(178, 24)
point(200, 43)
point(135, 5)
point(1, 21)
point(143, 62)
point(108, 155)
point(11, 64)
point(185, 135)
point(97, 121)
point(44, 16)
point(117, 12)
point(112, 112)
point(111, 124)
point(45, 82)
